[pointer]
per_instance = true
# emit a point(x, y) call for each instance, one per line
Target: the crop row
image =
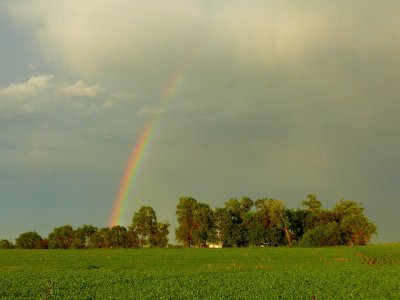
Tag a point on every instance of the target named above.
point(378, 255)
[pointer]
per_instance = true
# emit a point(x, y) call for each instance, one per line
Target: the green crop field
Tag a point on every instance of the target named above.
point(370, 272)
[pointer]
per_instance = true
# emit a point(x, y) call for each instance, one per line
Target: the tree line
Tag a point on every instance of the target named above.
point(145, 231)
point(240, 223)
point(268, 222)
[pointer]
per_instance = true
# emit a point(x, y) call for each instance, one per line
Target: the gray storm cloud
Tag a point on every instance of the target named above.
point(94, 38)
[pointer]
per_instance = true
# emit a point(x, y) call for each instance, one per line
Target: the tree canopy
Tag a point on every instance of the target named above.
point(269, 222)
point(145, 231)
point(239, 223)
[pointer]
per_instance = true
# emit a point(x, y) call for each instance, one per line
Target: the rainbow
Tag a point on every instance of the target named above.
point(136, 158)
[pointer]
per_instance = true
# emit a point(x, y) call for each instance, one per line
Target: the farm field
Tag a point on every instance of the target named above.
point(370, 272)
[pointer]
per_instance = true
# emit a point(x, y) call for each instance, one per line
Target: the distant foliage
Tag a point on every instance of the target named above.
point(240, 223)
point(195, 221)
point(268, 222)
point(30, 240)
point(145, 231)
point(84, 237)
point(61, 237)
point(356, 229)
point(322, 235)
point(6, 244)
point(149, 231)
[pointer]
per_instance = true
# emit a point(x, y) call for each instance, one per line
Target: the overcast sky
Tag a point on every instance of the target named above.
point(278, 99)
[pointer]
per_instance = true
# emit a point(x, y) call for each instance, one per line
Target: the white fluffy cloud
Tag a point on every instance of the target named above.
point(45, 91)
point(80, 88)
point(29, 88)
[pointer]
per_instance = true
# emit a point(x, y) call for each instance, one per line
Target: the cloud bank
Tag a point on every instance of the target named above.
point(95, 37)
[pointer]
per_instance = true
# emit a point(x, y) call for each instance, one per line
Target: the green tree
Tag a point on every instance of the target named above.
point(6, 244)
point(61, 237)
point(238, 211)
point(83, 237)
point(322, 235)
point(231, 223)
point(318, 218)
point(256, 233)
point(355, 227)
point(185, 212)
point(144, 223)
point(118, 237)
point(133, 239)
point(275, 220)
point(203, 224)
point(297, 222)
point(101, 238)
point(159, 238)
point(314, 215)
point(312, 203)
point(223, 227)
point(29, 240)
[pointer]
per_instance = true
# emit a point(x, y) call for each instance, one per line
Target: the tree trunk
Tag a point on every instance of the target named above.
point(288, 236)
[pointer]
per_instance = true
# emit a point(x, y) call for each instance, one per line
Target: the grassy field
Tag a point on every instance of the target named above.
point(371, 272)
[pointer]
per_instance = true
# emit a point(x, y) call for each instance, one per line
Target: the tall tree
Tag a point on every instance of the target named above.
point(223, 227)
point(238, 211)
point(203, 224)
point(231, 222)
point(312, 203)
point(185, 211)
point(275, 220)
point(144, 223)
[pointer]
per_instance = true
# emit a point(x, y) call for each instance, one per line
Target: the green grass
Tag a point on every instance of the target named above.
point(371, 272)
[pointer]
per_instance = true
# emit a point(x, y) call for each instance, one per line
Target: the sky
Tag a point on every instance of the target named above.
point(274, 99)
